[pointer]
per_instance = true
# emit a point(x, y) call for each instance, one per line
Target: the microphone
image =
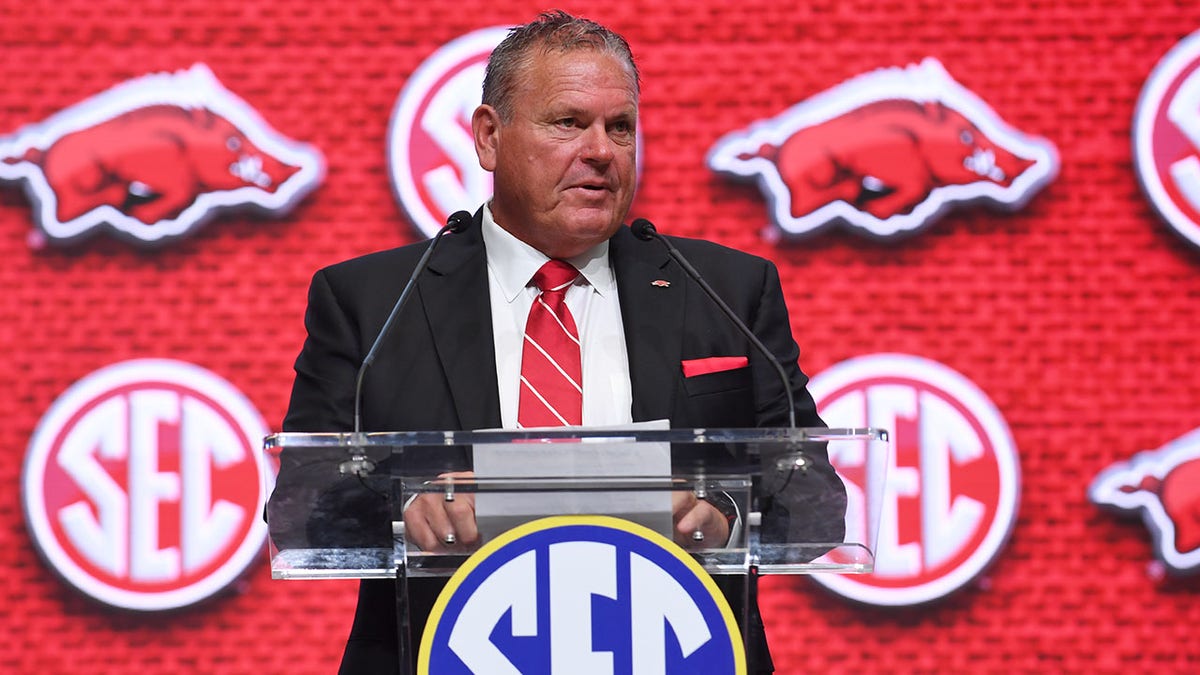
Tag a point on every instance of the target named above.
point(643, 229)
point(457, 222)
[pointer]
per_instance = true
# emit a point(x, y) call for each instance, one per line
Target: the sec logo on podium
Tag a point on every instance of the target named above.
point(581, 595)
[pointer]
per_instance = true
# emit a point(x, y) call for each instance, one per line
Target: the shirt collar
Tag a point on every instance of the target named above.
point(513, 262)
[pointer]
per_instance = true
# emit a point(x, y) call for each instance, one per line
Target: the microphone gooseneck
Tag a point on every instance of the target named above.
point(643, 229)
point(457, 222)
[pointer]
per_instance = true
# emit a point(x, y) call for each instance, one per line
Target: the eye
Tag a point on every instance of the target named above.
point(566, 123)
point(233, 143)
point(966, 137)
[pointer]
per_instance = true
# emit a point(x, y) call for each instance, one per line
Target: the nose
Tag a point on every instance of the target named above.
point(597, 146)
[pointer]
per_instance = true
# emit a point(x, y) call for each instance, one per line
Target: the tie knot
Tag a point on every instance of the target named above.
point(555, 275)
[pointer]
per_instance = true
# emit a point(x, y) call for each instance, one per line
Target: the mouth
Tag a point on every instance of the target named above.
point(591, 187)
point(590, 194)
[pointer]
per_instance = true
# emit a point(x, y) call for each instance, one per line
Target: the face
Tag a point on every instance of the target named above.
point(564, 164)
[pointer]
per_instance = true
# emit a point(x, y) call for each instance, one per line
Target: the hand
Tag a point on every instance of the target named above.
point(691, 514)
point(439, 526)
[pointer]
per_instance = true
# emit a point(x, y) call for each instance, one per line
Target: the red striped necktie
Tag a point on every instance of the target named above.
point(551, 374)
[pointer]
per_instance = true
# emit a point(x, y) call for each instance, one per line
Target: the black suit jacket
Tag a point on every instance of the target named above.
point(436, 369)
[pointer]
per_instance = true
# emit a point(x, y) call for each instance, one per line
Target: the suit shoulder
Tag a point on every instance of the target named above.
point(718, 253)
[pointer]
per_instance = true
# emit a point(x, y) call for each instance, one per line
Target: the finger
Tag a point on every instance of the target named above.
point(688, 521)
point(705, 519)
point(461, 517)
point(440, 531)
point(682, 502)
point(459, 507)
point(417, 530)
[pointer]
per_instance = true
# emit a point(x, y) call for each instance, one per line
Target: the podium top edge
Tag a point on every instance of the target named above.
point(566, 434)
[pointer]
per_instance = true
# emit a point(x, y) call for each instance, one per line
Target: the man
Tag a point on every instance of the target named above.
point(557, 129)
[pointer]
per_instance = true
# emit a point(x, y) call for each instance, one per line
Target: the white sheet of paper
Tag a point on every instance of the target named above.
point(609, 457)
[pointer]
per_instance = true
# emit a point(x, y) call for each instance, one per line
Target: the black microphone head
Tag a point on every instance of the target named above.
point(458, 221)
point(643, 229)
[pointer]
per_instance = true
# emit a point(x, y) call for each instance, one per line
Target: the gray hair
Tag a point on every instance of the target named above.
point(551, 31)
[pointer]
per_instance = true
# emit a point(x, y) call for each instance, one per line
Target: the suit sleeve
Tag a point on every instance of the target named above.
point(797, 505)
point(311, 502)
point(771, 325)
point(326, 369)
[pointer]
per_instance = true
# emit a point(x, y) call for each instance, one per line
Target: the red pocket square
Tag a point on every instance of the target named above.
point(713, 364)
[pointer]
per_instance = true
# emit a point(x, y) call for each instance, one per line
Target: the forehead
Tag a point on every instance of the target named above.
point(580, 76)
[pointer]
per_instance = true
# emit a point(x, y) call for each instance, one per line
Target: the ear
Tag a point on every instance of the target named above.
point(485, 127)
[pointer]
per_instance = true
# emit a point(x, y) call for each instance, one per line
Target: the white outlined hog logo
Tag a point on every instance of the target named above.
point(886, 152)
point(154, 158)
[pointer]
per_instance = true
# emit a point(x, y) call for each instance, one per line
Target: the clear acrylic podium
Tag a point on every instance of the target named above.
point(337, 509)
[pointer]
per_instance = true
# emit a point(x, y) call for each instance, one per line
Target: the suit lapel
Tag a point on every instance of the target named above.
point(457, 305)
point(652, 314)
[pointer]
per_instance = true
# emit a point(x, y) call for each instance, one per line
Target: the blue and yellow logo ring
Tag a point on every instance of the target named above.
point(537, 536)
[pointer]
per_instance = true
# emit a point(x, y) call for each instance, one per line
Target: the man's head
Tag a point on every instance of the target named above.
point(552, 31)
point(557, 128)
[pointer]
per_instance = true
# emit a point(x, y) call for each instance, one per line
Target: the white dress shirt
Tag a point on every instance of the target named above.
point(511, 264)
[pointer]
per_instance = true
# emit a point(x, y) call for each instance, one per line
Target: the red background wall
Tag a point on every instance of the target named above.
point(1077, 316)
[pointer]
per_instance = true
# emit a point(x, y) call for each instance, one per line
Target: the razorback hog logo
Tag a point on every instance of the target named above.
point(1164, 486)
point(887, 152)
point(153, 158)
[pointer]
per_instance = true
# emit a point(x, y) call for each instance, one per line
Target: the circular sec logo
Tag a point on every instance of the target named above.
point(1166, 138)
point(431, 151)
point(951, 484)
point(144, 485)
point(581, 594)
